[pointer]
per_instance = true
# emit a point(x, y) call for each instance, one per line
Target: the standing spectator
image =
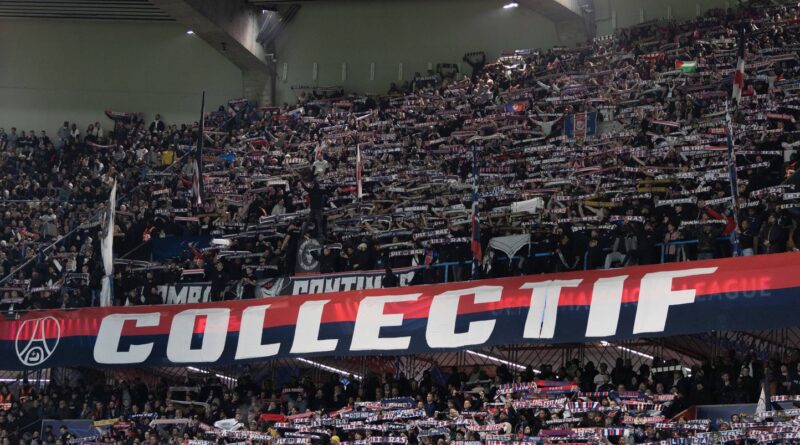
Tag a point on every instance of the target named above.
point(773, 236)
point(157, 125)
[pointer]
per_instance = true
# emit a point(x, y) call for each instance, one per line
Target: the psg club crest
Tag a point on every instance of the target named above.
point(37, 340)
point(306, 262)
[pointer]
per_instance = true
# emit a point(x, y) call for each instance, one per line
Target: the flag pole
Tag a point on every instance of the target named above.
point(475, 239)
point(732, 177)
point(107, 251)
point(359, 191)
point(736, 97)
point(738, 75)
point(197, 183)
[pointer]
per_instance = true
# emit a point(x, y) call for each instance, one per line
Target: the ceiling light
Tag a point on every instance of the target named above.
point(606, 344)
point(32, 382)
point(328, 368)
point(510, 5)
point(203, 371)
point(190, 32)
point(499, 360)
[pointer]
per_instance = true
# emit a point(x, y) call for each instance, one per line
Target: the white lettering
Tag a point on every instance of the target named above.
point(656, 296)
point(106, 348)
point(306, 333)
point(606, 304)
point(163, 291)
point(444, 312)
point(177, 296)
point(373, 282)
point(347, 283)
point(251, 332)
point(215, 332)
point(300, 287)
point(406, 278)
point(370, 320)
point(541, 321)
point(316, 286)
point(194, 294)
point(332, 285)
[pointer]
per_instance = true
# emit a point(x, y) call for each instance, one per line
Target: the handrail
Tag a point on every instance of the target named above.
point(684, 243)
point(447, 265)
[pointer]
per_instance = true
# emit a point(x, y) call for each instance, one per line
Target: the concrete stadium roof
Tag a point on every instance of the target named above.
point(132, 10)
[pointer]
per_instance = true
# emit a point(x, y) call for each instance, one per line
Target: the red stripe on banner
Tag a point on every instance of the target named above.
point(744, 274)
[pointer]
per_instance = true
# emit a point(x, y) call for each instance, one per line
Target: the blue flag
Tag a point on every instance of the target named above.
point(475, 245)
point(737, 251)
point(581, 125)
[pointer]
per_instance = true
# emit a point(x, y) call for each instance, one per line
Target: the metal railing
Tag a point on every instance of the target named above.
point(681, 243)
point(662, 248)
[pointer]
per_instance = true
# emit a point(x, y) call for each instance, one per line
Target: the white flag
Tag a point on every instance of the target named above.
point(762, 402)
point(529, 206)
point(358, 171)
point(228, 424)
point(107, 250)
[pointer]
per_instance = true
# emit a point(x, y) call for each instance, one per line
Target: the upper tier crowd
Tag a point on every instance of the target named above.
point(609, 154)
point(570, 404)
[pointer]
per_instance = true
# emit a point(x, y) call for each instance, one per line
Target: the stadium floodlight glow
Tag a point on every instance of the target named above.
point(203, 371)
point(622, 348)
point(635, 352)
point(329, 368)
point(510, 5)
point(4, 380)
point(190, 32)
point(499, 360)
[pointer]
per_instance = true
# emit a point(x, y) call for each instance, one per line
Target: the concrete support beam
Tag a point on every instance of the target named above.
point(568, 15)
point(556, 10)
point(230, 27)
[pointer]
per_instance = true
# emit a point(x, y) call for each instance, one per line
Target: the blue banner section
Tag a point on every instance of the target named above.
point(573, 307)
point(581, 125)
point(723, 413)
point(78, 428)
point(175, 246)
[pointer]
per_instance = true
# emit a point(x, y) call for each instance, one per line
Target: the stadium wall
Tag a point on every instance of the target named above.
point(57, 70)
point(611, 15)
point(415, 33)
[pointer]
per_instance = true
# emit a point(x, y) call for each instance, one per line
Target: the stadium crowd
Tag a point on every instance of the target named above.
point(573, 403)
point(609, 154)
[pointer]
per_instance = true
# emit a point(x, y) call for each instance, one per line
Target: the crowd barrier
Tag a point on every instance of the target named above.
point(662, 249)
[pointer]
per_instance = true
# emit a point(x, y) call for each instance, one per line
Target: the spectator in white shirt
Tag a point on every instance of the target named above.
point(74, 132)
point(602, 376)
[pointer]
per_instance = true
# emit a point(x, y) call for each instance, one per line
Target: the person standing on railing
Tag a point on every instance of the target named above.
point(564, 253)
point(248, 284)
point(594, 251)
point(646, 241)
point(362, 259)
point(389, 278)
point(218, 277)
point(730, 225)
point(623, 242)
point(773, 236)
point(671, 253)
point(706, 239)
point(328, 260)
point(746, 240)
point(317, 197)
